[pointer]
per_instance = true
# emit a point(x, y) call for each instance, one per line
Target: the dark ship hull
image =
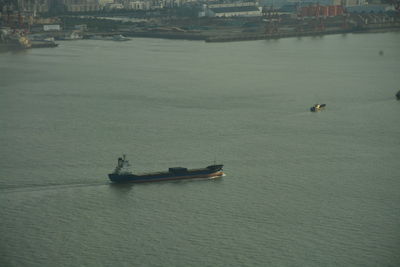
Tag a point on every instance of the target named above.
point(177, 173)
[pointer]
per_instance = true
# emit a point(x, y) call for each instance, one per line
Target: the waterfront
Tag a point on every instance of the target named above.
point(302, 189)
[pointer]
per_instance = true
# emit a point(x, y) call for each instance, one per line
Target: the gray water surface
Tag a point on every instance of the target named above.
point(301, 188)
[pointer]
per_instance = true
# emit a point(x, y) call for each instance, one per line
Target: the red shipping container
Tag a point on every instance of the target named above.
point(324, 11)
point(332, 11)
point(340, 10)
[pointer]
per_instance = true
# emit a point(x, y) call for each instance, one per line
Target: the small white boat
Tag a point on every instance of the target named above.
point(74, 35)
point(120, 38)
point(317, 107)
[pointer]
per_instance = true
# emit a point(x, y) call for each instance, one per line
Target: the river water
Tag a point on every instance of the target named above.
point(301, 188)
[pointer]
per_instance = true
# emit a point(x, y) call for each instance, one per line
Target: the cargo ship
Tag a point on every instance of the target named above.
point(122, 173)
point(13, 39)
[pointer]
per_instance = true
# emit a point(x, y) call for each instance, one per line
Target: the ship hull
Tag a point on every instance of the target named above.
point(166, 176)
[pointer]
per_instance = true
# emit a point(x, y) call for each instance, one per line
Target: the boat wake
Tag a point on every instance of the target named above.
point(44, 187)
point(216, 177)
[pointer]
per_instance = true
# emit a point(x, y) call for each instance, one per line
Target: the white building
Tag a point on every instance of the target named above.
point(246, 9)
point(54, 27)
point(82, 5)
point(138, 5)
point(354, 2)
point(39, 6)
point(110, 6)
point(103, 3)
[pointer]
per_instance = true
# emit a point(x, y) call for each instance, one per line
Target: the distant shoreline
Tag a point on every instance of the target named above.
point(225, 36)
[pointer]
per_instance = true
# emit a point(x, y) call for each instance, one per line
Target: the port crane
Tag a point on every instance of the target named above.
point(272, 19)
point(319, 24)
